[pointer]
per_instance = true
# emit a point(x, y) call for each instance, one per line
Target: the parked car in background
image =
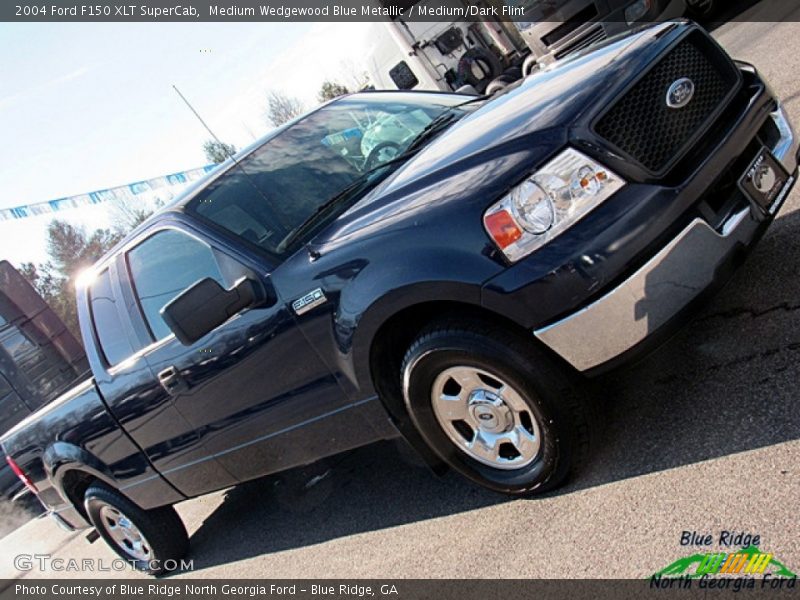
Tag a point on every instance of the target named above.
point(304, 300)
point(39, 360)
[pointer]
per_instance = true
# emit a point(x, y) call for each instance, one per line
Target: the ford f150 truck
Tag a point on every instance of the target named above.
point(429, 265)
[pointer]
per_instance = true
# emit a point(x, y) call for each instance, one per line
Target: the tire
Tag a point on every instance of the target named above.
point(530, 65)
point(540, 402)
point(497, 85)
point(512, 74)
point(486, 61)
point(161, 529)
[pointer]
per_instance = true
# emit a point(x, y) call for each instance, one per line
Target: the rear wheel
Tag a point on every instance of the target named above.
point(495, 408)
point(148, 539)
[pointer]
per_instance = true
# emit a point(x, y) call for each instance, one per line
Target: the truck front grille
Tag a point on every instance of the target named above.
point(641, 124)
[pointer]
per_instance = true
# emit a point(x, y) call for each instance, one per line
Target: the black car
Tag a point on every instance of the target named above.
point(426, 265)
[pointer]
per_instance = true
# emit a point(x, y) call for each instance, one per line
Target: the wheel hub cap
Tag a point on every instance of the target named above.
point(486, 418)
point(124, 533)
point(490, 412)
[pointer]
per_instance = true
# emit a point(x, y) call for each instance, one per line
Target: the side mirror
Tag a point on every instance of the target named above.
point(207, 305)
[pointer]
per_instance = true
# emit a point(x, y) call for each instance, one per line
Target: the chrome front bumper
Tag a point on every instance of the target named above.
point(658, 291)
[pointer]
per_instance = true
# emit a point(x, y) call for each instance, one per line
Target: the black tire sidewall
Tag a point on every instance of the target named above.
point(491, 67)
point(429, 359)
point(98, 496)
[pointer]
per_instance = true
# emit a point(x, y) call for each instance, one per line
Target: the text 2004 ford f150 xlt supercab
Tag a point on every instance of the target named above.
point(424, 264)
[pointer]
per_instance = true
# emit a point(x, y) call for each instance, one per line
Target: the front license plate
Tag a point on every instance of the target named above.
point(765, 182)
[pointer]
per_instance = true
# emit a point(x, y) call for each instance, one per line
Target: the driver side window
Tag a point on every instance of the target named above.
point(162, 267)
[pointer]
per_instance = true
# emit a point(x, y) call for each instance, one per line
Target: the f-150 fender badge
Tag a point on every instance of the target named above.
point(310, 300)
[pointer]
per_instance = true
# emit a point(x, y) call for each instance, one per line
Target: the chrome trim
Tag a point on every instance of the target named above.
point(309, 302)
point(786, 149)
point(631, 312)
point(60, 521)
point(568, 160)
point(628, 314)
point(20, 495)
point(680, 93)
point(734, 221)
point(486, 418)
point(124, 533)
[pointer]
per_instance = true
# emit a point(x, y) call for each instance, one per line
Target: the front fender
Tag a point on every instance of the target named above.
point(430, 251)
point(422, 267)
point(356, 363)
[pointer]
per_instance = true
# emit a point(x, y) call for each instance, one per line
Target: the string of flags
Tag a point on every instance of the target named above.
point(123, 192)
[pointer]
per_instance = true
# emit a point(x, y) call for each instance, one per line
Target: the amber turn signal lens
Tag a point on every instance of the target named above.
point(503, 228)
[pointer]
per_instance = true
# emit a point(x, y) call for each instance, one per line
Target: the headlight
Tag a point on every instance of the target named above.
point(547, 203)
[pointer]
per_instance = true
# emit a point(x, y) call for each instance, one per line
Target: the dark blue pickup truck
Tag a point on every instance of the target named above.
point(434, 266)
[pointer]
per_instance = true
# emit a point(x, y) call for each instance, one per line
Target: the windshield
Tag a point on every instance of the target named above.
point(282, 183)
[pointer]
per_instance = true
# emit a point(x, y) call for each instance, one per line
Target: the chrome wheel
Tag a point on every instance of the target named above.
point(124, 533)
point(486, 418)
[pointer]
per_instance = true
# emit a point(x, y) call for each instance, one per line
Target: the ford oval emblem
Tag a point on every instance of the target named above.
point(680, 93)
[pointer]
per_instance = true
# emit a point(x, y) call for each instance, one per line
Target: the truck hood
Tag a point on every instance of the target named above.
point(493, 148)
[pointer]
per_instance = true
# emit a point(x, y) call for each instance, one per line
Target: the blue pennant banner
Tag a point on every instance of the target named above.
point(123, 192)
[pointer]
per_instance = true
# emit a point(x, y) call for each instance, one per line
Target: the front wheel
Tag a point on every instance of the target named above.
point(148, 539)
point(495, 408)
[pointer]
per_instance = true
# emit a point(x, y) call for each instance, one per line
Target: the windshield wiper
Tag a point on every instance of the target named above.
point(441, 122)
point(355, 185)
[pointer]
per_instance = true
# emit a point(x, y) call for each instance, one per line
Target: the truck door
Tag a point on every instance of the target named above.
point(245, 386)
point(127, 384)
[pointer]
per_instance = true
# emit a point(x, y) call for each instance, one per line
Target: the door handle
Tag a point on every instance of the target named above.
point(172, 381)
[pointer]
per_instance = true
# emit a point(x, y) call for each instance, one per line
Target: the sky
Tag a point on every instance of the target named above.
point(89, 106)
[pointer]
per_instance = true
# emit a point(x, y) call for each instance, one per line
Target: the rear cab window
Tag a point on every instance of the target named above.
point(112, 338)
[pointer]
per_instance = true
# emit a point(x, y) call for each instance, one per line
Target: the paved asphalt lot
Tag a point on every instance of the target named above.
point(704, 435)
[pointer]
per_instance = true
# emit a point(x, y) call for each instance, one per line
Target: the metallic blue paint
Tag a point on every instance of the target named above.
point(273, 390)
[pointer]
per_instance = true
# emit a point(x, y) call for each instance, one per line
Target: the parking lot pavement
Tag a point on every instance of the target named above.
point(702, 436)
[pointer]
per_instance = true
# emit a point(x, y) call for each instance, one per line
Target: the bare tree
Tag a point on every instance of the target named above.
point(282, 108)
point(129, 214)
point(353, 74)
